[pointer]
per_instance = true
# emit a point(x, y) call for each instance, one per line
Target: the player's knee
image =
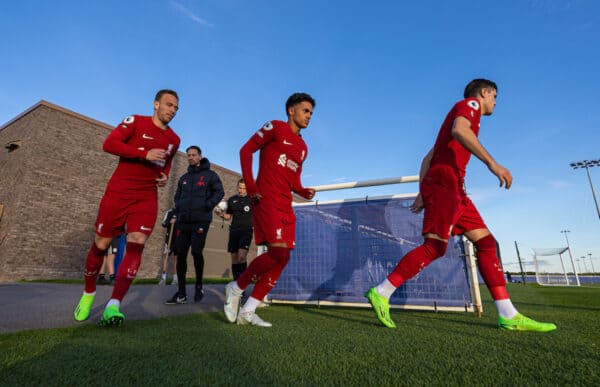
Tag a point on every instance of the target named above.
point(101, 243)
point(280, 254)
point(487, 243)
point(488, 262)
point(435, 248)
point(137, 237)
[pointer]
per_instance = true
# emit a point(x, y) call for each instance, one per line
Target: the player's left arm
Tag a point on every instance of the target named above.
point(162, 179)
point(307, 193)
point(461, 131)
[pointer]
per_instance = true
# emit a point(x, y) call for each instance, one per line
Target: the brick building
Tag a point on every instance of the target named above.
point(52, 175)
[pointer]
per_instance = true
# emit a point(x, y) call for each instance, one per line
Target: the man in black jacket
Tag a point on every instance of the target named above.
point(198, 192)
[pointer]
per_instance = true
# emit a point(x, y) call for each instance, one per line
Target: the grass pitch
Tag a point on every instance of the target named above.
point(322, 346)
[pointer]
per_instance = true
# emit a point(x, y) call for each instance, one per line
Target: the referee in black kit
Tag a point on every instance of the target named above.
point(240, 231)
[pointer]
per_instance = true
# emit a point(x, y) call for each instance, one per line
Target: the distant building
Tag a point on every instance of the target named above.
point(53, 173)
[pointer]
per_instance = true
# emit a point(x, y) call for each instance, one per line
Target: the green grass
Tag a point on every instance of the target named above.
point(322, 346)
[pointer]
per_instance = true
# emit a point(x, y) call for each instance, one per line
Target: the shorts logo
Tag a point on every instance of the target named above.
point(144, 228)
point(146, 137)
point(278, 233)
point(129, 120)
point(473, 104)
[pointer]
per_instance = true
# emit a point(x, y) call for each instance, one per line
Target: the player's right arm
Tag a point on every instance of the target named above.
point(262, 137)
point(177, 196)
point(417, 205)
point(117, 143)
point(461, 131)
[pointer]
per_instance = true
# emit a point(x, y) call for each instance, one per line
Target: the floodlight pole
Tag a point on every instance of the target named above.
point(584, 265)
point(587, 164)
point(592, 263)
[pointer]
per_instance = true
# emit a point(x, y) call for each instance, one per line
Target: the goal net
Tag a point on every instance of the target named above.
point(552, 267)
point(345, 247)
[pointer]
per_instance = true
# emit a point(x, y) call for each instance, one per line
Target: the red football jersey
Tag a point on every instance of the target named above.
point(131, 141)
point(447, 150)
point(282, 153)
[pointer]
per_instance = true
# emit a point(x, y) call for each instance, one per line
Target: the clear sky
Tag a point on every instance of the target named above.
point(384, 74)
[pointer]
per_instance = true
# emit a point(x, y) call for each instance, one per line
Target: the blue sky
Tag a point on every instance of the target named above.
point(384, 74)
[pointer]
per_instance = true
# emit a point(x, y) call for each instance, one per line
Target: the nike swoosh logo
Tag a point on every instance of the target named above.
point(286, 143)
point(145, 136)
point(145, 228)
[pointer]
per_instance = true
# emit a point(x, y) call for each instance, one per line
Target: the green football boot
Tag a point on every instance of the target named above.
point(381, 307)
point(522, 323)
point(82, 310)
point(112, 317)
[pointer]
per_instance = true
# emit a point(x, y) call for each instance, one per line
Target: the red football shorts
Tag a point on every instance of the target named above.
point(272, 225)
point(139, 214)
point(448, 209)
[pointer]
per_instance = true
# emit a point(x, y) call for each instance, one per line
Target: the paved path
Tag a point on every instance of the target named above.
point(41, 305)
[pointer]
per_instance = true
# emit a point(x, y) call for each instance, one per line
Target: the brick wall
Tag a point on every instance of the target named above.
point(51, 187)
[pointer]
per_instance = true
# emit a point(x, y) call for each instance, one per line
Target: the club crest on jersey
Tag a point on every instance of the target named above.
point(129, 120)
point(473, 104)
point(267, 126)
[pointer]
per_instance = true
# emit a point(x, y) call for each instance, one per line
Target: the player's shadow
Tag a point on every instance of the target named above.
point(335, 312)
point(359, 243)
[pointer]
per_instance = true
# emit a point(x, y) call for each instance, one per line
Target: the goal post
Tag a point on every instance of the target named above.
point(552, 268)
point(343, 247)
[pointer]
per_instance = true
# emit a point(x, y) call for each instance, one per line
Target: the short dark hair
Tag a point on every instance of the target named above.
point(196, 147)
point(241, 181)
point(475, 86)
point(296, 98)
point(163, 92)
